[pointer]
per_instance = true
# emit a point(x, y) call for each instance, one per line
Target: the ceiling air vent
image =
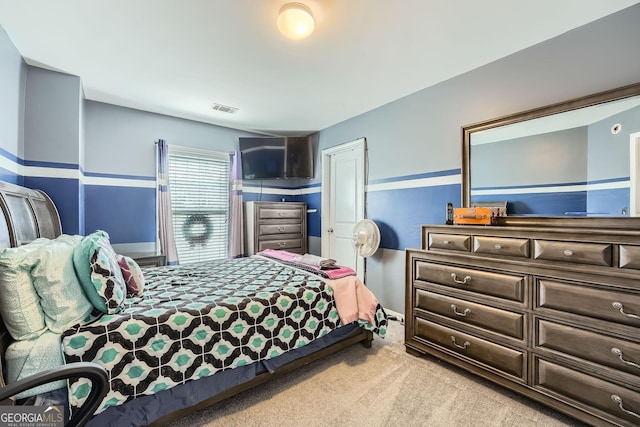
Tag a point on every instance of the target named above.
point(224, 108)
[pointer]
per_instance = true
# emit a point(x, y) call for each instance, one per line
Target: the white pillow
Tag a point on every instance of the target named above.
point(61, 297)
point(19, 302)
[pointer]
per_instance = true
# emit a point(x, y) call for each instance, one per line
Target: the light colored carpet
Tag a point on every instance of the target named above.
point(380, 386)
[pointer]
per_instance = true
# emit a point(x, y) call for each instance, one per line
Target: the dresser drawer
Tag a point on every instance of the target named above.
point(455, 242)
point(501, 246)
point(616, 306)
point(497, 284)
point(271, 229)
point(265, 213)
point(595, 347)
point(629, 256)
point(619, 401)
point(291, 245)
point(491, 318)
point(580, 253)
point(497, 356)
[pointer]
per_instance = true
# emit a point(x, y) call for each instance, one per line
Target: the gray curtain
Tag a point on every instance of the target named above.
point(165, 217)
point(236, 217)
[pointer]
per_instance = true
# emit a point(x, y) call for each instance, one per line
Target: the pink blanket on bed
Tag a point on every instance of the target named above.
point(354, 301)
point(333, 273)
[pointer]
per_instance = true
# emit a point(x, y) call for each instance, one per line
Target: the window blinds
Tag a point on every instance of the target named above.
point(199, 184)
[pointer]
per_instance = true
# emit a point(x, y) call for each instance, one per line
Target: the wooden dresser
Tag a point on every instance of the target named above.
point(551, 312)
point(275, 225)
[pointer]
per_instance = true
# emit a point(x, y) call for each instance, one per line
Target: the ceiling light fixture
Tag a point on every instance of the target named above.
point(295, 21)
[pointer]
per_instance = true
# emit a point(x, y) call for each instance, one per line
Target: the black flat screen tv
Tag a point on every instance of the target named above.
point(276, 157)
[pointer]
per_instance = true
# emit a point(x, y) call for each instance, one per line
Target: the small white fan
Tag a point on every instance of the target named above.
point(366, 237)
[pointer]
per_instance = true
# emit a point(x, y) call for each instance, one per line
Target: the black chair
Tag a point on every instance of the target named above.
point(92, 371)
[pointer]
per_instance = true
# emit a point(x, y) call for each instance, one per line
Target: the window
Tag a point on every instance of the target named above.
point(199, 183)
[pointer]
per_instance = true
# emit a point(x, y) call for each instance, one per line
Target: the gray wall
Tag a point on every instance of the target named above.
point(609, 153)
point(551, 158)
point(120, 140)
point(422, 131)
point(52, 117)
point(13, 75)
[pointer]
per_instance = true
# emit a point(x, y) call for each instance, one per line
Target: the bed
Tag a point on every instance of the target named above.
point(195, 335)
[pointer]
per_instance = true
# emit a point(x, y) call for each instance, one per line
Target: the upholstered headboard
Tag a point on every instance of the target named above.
point(28, 214)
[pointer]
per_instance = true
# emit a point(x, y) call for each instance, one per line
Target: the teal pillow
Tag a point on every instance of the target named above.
point(62, 298)
point(19, 301)
point(99, 273)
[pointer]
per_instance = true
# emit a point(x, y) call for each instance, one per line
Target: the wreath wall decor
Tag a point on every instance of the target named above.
point(197, 229)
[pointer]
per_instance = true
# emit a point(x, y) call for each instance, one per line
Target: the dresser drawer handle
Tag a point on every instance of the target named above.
point(445, 242)
point(568, 252)
point(464, 281)
point(497, 246)
point(282, 244)
point(463, 346)
point(618, 306)
point(282, 229)
point(617, 399)
point(281, 213)
point(618, 353)
point(463, 314)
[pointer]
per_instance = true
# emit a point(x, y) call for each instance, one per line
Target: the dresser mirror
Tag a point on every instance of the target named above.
point(569, 160)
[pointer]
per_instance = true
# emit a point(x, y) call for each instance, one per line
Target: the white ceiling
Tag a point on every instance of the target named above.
point(179, 57)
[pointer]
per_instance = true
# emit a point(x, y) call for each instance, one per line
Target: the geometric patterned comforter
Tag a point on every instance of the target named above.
point(194, 320)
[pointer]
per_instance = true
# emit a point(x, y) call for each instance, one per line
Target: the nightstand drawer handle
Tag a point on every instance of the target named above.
point(445, 242)
point(282, 244)
point(618, 306)
point(463, 346)
point(568, 252)
point(463, 314)
point(617, 399)
point(618, 353)
point(464, 281)
point(282, 228)
point(281, 213)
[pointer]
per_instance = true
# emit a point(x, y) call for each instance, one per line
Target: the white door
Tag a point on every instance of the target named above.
point(343, 187)
point(634, 174)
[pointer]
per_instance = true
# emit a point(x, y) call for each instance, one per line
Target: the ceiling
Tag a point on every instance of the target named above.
point(180, 57)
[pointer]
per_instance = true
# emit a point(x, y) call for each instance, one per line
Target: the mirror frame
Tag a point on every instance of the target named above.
point(574, 104)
